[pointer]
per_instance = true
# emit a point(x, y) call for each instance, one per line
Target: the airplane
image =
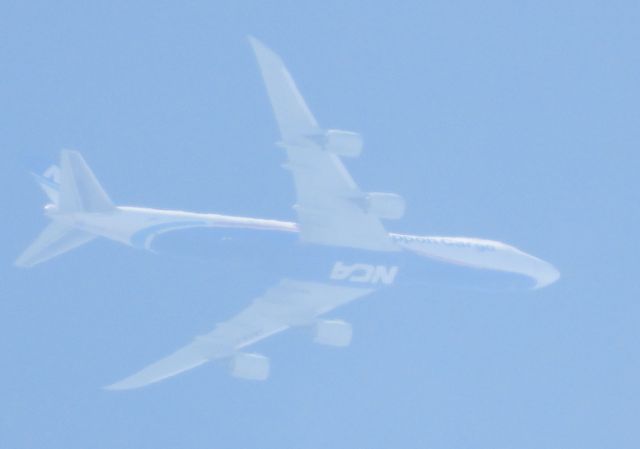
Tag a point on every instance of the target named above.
point(339, 247)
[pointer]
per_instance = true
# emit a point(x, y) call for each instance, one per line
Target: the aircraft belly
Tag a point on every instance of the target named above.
point(258, 254)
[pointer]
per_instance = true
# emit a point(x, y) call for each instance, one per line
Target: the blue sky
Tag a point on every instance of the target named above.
point(516, 121)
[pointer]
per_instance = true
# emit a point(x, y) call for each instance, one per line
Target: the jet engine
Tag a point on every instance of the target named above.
point(333, 333)
point(385, 205)
point(343, 143)
point(250, 366)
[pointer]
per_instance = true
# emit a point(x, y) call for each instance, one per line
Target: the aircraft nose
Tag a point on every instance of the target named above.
point(546, 274)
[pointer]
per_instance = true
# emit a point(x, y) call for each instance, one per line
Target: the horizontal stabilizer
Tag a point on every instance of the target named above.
point(56, 239)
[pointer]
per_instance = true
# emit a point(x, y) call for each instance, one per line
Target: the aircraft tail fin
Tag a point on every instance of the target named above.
point(71, 187)
point(80, 190)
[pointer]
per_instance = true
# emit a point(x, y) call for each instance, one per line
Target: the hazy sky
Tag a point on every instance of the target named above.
point(515, 121)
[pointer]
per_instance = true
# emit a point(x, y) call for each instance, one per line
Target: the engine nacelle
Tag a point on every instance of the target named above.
point(385, 205)
point(250, 366)
point(343, 143)
point(333, 333)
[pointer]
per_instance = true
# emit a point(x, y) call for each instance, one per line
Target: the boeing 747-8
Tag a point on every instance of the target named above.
point(339, 235)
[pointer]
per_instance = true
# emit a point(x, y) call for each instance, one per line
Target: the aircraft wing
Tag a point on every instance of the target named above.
point(331, 208)
point(288, 304)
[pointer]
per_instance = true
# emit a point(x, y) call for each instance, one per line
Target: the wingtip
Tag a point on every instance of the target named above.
point(259, 47)
point(120, 386)
point(22, 262)
point(254, 41)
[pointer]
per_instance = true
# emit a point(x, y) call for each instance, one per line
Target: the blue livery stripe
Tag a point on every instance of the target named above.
point(141, 238)
point(47, 181)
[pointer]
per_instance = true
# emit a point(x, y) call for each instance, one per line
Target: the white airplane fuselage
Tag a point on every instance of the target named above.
point(338, 250)
point(138, 227)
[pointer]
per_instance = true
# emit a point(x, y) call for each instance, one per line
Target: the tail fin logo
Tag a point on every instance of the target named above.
point(49, 182)
point(364, 273)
